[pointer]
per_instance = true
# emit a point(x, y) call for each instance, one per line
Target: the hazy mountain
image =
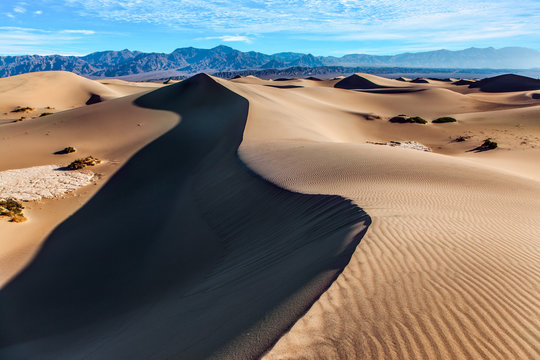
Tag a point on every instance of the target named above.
point(188, 61)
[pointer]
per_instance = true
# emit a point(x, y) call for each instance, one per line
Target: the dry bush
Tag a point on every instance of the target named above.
point(82, 163)
point(22, 109)
point(12, 209)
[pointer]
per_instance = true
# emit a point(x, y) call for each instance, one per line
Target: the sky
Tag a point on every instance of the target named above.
point(319, 27)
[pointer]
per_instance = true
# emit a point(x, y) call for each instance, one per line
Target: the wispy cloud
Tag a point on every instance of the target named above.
point(19, 9)
point(228, 38)
point(82, 32)
point(264, 16)
point(21, 40)
point(418, 23)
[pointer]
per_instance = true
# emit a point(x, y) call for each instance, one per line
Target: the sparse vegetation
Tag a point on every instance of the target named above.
point(20, 119)
point(418, 120)
point(45, 114)
point(12, 209)
point(372, 117)
point(444, 119)
point(489, 144)
point(22, 109)
point(408, 120)
point(66, 150)
point(82, 163)
point(461, 138)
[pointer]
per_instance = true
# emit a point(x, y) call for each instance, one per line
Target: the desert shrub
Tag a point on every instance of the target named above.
point(13, 209)
point(82, 163)
point(44, 114)
point(22, 109)
point(407, 120)
point(19, 119)
point(444, 119)
point(66, 150)
point(372, 117)
point(461, 138)
point(489, 144)
point(417, 119)
point(398, 120)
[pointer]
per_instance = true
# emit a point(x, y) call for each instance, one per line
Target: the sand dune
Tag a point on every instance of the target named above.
point(444, 248)
point(52, 91)
point(431, 270)
point(507, 83)
point(448, 269)
point(198, 250)
point(366, 81)
point(421, 81)
point(111, 131)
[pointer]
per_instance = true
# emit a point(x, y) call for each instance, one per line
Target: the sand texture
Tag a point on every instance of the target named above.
point(226, 219)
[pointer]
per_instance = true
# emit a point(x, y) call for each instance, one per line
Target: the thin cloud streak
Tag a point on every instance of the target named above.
point(19, 40)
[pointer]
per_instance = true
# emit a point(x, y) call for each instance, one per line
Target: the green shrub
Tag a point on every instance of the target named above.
point(411, 120)
point(489, 144)
point(444, 119)
point(13, 209)
point(398, 120)
point(82, 163)
point(417, 120)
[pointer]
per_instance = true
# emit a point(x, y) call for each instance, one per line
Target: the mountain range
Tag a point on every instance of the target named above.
point(189, 61)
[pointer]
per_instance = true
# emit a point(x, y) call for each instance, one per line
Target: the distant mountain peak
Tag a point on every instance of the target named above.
point(223, 48)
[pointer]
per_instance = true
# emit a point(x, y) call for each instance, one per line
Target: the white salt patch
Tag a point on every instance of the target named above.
point(404, 144)
point(40, 182)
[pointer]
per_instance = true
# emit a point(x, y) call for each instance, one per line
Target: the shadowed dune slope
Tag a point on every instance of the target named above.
point(184, 253)
point(356, 81)
point(507, 83)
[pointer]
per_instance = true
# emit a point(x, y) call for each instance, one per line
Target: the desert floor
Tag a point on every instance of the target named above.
point(219, 222)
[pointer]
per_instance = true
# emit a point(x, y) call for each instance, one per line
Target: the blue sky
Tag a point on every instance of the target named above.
point(320, 27)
